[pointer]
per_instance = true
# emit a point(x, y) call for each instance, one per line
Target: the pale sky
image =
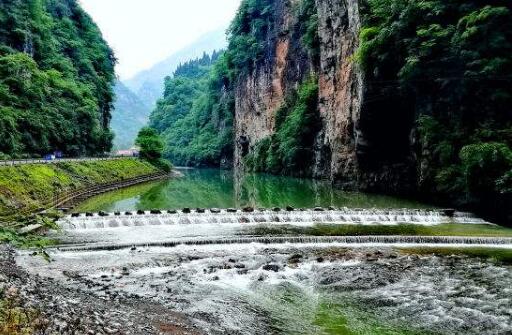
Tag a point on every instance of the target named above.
point(144, 32)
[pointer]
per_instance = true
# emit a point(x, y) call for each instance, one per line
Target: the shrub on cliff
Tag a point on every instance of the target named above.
point(451, 62)
point(290, 149)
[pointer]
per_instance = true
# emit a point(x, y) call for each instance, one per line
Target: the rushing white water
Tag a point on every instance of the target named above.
point(282, 289)
point(211, 266)
point(343, 216)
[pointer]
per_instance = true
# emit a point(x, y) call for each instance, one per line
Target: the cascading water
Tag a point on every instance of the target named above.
point(343, 216)
point(213, 267)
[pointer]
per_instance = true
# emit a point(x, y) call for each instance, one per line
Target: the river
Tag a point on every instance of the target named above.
point(286, 271)
point(208, 188)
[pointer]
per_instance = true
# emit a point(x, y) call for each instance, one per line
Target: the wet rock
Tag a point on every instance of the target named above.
point(89, 214)
point(271, 267)
point(215, 210)
point(290, 208)
point(276, 209)
point(295, 259)
point(450, 212)
point(248, 209)
point(117, 213)
point(71, 274)
point(331, 208)
point(172, 211)
point(319, 209)
point(103, 214)
point(155, 212)
point(141, 212)
point(133, 248)
point(239, 266)
point(128, 213)
point(186, 210)
point(75, 215)
point(320, 259)
point(200, 210)
point(232, 210)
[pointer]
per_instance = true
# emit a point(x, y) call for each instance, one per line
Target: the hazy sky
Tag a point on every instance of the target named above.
point(144, 32)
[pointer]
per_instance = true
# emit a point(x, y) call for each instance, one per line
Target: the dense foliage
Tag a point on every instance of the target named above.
point(56, 73)
point(452, 61)
point(290, 149)
point(151, 148)
point(248, 36)
point(195, 116)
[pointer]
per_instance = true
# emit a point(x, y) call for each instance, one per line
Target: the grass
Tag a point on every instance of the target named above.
point(26, 188)
point(502, 256)
point(470, 230)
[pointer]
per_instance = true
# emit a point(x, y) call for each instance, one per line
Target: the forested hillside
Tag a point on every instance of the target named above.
point(148, 84)
point(386, 95)
point(56, 75)
point(195, 114)
point(130, 115)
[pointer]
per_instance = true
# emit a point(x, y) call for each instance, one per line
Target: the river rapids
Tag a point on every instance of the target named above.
point(208, 266)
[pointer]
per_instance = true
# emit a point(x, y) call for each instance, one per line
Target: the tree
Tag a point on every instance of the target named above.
point(151, 148)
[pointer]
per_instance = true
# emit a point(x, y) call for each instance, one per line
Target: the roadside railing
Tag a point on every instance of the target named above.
point(13, 162)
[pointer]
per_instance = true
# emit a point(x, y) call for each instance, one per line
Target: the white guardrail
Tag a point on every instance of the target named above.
point(13, 162)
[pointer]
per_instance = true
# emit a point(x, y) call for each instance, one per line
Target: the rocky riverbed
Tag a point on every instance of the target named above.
point(265, 289)
point(42, 305)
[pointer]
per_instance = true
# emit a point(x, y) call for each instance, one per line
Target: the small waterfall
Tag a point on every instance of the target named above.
point(231, 216)
point(378, 240)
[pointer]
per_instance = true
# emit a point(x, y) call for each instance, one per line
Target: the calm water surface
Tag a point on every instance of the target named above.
point(207, 188)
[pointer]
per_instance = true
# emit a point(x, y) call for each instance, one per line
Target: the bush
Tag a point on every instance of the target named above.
point(290, 150)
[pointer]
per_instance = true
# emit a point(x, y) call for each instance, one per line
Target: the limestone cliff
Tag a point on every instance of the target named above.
point(346, 147)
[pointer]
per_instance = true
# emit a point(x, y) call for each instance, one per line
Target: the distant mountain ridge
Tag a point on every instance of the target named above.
point(130, 115)
point(149, 84)
point(137, 97)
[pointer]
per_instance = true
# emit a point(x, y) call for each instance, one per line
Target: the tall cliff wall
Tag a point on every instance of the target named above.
point(347, 149)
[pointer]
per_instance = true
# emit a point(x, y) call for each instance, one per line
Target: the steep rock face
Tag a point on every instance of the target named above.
point(260, 94)
point(340, 91)
point(353, 148)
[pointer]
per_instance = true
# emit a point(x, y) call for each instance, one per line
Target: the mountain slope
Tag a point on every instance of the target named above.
point(56, 73)
point(148, 85)
point(129, 116)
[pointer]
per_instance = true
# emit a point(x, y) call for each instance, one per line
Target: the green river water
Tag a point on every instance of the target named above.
point(208, 188)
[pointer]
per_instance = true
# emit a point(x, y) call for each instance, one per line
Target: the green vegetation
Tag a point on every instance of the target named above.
point(503, 256)
point(195, 116)
point(448, 229)
point(151, 148)
point(248, 35)
point(290, 149)
point(56, 73)
point(450, 62)
point(26, 188)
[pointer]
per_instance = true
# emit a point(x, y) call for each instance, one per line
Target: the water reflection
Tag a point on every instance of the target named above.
point(220, 189)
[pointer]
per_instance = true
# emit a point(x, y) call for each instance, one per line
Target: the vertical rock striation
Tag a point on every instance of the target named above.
point(353, 147)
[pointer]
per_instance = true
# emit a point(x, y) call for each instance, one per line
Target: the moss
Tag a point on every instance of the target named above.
point(401, 230)
point(26, 188)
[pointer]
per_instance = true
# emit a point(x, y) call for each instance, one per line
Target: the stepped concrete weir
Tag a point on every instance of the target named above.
point(188, 216)
point(229, 269)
